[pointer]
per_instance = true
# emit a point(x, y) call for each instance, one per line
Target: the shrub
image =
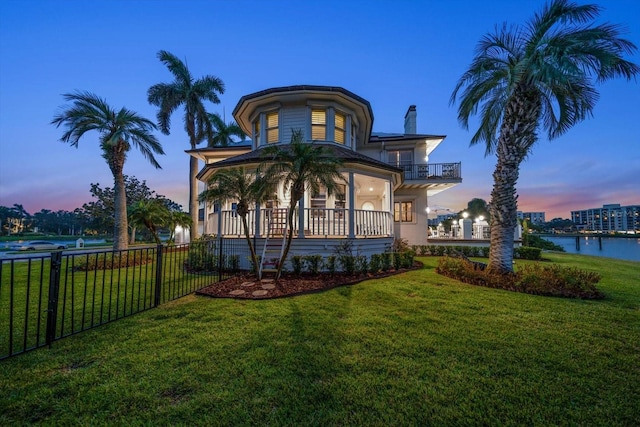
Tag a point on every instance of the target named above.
point(558, 281)
point(347, 263)
point(400, 245)
point(485, 250)
point(375, 264)
point(397, 260)
point(386, 261)
point(407, 259)
point(537, 279)
point(525, 252)
point(362, 266)
point(331, 264)
point(296, 263)
point(108, 261)
point(233, 263)
point(312, 263)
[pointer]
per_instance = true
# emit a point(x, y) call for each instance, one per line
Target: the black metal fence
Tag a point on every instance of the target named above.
point(47, 297)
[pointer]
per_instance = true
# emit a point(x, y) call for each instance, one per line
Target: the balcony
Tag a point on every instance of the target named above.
point(447, 172)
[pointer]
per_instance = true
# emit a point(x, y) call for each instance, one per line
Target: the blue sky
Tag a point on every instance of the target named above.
point(392, 53)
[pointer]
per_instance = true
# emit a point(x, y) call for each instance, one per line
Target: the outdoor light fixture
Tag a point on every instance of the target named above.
point(465, 215)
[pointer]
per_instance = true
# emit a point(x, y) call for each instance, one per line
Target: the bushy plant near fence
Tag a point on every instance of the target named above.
point(537, 279)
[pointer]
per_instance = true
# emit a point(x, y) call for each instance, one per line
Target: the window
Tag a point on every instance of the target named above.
point(319, 125)
point(256, 130)
point(400, 157)
point(341, 196)
point(272, 128)
point(340, 126)
point(318, 203)
point(403, 211)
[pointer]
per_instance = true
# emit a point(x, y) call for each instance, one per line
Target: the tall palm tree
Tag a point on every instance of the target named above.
point(300, 167)
point(540, 77)
point(223, 132)
point(246, 189)
point(190, 93)
point(119, 131)
point(149, 213)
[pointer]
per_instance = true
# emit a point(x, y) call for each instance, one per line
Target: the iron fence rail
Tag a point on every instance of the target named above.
point(46, 297)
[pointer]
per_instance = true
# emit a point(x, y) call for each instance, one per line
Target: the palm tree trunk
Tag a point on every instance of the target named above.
point(254, 256)
point(193, 198)
point(283, 259)
point(120, 232)
point(517, 135)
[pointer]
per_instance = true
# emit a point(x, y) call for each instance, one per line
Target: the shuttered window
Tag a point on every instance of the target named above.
point(272, 127)
point(319, 125)
point(340, 126)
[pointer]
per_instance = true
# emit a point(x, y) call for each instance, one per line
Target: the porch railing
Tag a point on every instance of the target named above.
point(432, 171)
point(318, 222)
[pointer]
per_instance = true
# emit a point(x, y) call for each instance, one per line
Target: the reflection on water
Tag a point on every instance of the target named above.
point(611, 247)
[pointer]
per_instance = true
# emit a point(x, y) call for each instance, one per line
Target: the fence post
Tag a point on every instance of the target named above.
point(54, 290)
point(158, 293)
point(220, 260)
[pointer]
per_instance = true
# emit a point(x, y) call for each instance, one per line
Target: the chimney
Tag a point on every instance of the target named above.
point(410, 121)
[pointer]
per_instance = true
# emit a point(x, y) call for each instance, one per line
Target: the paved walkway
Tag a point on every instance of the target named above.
point(263, 288)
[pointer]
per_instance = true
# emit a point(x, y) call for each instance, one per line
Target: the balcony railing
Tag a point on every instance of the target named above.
point(432, 171)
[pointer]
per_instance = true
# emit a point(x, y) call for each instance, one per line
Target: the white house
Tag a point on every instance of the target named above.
point(389, 177)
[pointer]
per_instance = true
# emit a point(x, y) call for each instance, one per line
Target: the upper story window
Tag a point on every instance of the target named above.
point(273, 134)
point(340, 128)
point(400, 157)
point(256, 130)
point(319, 125)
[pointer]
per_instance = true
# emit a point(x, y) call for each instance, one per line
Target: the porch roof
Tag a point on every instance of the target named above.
point(342, 153)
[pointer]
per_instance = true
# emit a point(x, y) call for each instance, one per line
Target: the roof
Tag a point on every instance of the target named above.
point(306, 88)
point(342, 153)
point(244, 111)
point(380, 136)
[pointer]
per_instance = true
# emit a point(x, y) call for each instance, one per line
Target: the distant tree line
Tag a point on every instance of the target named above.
point(97, 216)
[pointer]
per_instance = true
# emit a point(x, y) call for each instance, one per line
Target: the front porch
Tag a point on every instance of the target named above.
point(309, 223)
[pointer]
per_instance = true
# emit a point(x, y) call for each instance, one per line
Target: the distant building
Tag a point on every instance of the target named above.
point(532, 217)
point(608, 218)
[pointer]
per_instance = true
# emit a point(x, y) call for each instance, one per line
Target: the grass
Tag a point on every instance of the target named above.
point(413, 349)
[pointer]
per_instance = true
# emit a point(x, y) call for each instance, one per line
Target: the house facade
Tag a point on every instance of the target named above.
point(388, 178)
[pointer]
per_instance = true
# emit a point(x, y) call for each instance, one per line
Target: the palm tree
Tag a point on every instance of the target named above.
point(246, 189)
point(150, 213)
point(190, 93)
point(542, 77)
point(223, 132)
point(118, 130)
point(301, 167)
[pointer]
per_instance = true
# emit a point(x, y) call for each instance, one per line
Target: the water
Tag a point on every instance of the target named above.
point(612, 247)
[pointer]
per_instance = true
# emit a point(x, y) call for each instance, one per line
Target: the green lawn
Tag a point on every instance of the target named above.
point(413, 349)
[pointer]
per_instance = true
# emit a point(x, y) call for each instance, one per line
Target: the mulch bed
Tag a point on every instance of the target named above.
point(248, 287)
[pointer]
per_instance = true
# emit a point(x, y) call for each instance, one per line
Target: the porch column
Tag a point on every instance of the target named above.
point(352, 206)
point(301, 218)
